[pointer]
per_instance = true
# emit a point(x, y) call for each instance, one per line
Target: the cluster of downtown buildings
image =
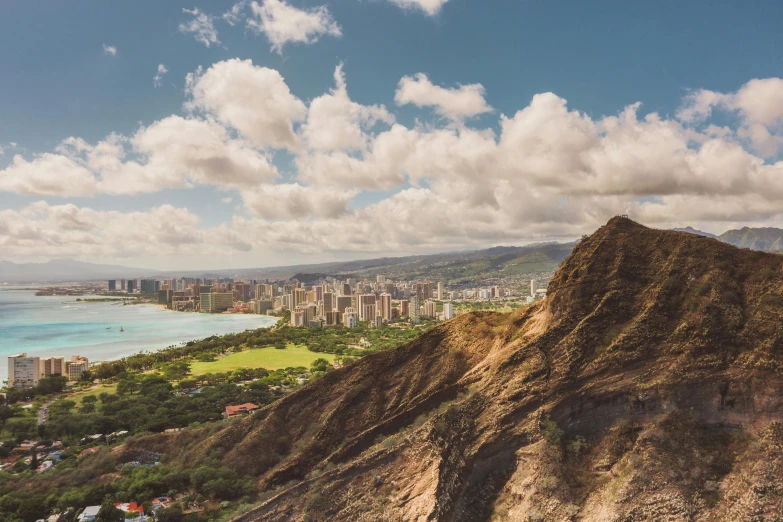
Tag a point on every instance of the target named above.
point(330, 302)
point(25, 371)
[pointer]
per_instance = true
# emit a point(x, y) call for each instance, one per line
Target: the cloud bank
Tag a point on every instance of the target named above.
point(359, 181)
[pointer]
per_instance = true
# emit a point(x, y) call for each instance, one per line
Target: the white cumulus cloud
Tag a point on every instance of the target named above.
point(759, 104)
point(252, 99)
point(455, 103)
point(283, 23)
point(109, 50)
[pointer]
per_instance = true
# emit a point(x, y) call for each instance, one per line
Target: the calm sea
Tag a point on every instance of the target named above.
point(59, 325)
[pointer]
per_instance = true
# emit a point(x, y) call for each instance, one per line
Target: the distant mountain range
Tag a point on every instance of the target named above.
point(65, 270)
point(455, 267)
point(450, 266)
point(766, 239)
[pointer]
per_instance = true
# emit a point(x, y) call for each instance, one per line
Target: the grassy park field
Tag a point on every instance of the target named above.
point(78, 397)
point(269, 358)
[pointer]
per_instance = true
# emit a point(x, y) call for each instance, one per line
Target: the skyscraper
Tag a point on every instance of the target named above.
point(431, 309)
point(440, 291)
point(414, 310)
point(343, 302)
point(367, 307)
point(386, 307)
point(533, 287)
point(112, 285)
point(448, 311)
point(131, 286)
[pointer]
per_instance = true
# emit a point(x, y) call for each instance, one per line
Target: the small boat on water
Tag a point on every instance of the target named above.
point(108, 327)
point(122, 329)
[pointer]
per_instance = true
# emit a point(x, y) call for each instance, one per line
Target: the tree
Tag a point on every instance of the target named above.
point(109, 513)
point(169, 514)
point(34, 460)
point(128, 384)
point(320, 365)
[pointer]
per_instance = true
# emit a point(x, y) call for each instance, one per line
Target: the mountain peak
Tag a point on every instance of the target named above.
point(652, 352)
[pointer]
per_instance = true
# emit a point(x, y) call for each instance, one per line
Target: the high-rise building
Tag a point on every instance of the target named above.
point(378, 322)
point(404, 307)
point(448, 311)
point(312, 313)
point(23, 371)
point(149, 286)
point(414, 310)
point(131, 286)
point(533, 287)
point(427, 292)
point(344, 302)
point(333, 318)
point(77, 367)
point(122, 284)
point(380, 278)
point(216, 302)
point(350, 318)
point(298, 316)
point(264, 305)
point(52, 366)
point(346, 289)
point(112, 285)
point(385, 310)
point(367, 307)
point(440, 291)
point(328, 299)
point(300, 297)
point(164, 296)
point(270, 290)
point(241, 292)
point(431, 309)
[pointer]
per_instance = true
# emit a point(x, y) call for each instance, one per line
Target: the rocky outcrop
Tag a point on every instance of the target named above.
point(647, 386)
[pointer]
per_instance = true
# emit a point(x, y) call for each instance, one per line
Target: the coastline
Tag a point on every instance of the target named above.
point(45, 327)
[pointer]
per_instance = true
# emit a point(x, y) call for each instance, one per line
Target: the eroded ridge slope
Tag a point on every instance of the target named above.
point(647, 386)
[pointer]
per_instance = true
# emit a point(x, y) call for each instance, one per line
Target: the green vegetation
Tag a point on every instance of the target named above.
point(269, 358)
point(181, 387)
point(354, 342)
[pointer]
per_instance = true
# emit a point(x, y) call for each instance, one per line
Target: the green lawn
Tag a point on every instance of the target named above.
point(78, 397)
point(269, 358)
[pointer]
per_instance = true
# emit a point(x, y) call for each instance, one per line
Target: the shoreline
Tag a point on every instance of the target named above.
point(45, 328)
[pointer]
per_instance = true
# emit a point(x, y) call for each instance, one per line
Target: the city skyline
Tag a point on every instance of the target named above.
point(267, 133)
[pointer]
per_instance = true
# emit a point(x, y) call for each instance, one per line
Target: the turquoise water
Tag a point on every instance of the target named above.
point(58, 325)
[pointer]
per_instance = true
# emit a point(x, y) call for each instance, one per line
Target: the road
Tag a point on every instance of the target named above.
point(43, 412)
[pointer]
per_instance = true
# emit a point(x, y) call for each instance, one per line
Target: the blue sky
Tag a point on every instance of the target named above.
point(59, 82)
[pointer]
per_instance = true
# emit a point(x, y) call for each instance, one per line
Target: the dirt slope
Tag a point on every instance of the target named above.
point(647, 386)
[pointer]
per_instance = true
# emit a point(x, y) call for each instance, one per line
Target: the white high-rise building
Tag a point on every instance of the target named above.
point(533, 287)
point(77, 366)
point(440, 291)
point(23, 371)
point(380, 278)
point(350, 318)
point(414, 310)
point(431, 309)
point(448, 311)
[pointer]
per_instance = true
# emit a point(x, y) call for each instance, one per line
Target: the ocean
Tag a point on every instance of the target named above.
point(58, 325)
